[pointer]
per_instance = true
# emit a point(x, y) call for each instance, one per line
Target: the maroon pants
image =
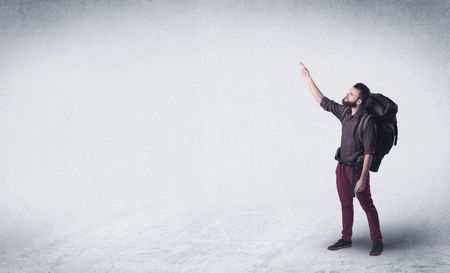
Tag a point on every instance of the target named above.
point(345, 190)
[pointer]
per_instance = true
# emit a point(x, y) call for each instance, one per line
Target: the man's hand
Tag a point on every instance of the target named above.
point(316, 93)
point(361, 184)
point(305, 72)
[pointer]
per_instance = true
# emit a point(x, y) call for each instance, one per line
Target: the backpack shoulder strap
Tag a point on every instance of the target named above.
point(362, 126)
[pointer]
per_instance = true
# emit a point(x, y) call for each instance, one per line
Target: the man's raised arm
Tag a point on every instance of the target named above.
point(316, 93)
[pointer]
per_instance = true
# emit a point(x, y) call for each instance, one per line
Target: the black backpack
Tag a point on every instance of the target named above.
point(384, 111)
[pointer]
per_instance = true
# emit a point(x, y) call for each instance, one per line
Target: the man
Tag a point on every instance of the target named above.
point(354, 158)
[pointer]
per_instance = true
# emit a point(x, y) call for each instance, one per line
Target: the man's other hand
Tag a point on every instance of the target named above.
point(360, 185)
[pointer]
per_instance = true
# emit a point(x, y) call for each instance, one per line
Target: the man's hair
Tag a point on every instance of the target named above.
point(364, 92)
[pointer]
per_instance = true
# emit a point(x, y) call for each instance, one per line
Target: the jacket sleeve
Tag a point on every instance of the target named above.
point(336, 109)
point(370, 137)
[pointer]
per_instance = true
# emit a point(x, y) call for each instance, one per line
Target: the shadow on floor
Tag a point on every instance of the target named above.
point(395, 237)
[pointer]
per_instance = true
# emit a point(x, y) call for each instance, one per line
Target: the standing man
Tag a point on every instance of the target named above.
point(354, 159)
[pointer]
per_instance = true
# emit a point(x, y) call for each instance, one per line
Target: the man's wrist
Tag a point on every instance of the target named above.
point(364, 175)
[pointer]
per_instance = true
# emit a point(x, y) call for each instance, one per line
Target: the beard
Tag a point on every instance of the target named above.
point(348, 103)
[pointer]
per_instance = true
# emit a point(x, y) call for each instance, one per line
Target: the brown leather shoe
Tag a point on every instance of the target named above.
point(340, 244)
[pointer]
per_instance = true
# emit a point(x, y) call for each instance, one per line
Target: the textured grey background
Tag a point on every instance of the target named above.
point(189, 120)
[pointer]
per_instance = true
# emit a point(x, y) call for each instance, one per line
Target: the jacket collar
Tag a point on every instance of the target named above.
point(362, 111)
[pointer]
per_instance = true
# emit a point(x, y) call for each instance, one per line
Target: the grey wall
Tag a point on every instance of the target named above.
point(110, 104)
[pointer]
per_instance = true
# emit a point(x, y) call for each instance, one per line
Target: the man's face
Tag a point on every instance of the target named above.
point(351, 98)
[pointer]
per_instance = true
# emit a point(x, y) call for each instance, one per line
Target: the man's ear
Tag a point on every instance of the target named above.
point(359, 101)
